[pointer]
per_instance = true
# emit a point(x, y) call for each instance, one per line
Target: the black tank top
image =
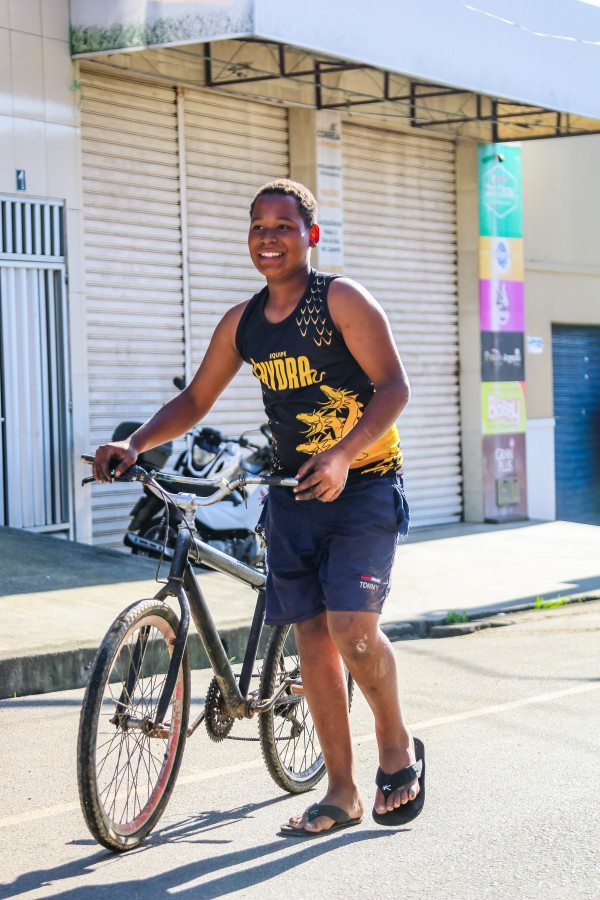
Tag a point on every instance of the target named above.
point(313, 389)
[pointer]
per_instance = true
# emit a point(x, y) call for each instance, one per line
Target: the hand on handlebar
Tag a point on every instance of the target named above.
point(112, 460)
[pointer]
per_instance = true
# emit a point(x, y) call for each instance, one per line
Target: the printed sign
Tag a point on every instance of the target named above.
point(504, 476)
point(535, 345)
point(502, 356)
point(500, 201)
point(501, 305)
point(503, 408)
point(329, 190)
point(501, 258)
point(122, 24)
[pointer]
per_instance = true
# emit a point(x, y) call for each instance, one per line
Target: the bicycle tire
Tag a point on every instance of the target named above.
point(288, 738)
point(125, 776)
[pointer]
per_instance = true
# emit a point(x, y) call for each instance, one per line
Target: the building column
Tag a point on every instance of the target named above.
point(467, 215)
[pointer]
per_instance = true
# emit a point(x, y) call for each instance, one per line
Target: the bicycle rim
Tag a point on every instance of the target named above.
point(289, 741)
point(125, 774)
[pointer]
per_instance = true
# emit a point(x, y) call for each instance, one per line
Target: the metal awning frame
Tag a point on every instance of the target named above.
point(494, 111)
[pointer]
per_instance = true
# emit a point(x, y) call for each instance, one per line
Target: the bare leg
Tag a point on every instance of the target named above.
point(325, 688)
point(370, 659)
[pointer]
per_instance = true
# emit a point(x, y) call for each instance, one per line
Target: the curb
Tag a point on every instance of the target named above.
point(63, 670)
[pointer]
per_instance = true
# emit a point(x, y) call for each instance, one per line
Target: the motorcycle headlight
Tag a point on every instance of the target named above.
point(201, 457)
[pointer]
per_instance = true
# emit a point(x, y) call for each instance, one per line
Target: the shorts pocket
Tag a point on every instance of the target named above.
point(402, 512)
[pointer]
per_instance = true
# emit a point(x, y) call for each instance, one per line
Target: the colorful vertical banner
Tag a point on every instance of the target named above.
point(502, 326)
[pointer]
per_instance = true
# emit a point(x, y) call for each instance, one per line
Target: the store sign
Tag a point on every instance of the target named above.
point(127, 24)
point(502, 356)
point(330, 190)
point(501, 258)
point(500, 201)
point(502, 326)
point(503, 408)
point(501, 305)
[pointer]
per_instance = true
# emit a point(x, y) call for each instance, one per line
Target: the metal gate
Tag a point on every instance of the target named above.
point(576, 373)
point(34, 406)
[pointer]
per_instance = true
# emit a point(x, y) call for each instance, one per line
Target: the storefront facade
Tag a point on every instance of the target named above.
point(170, 143)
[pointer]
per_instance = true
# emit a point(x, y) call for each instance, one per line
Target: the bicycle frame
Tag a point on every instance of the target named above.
point(184, 586)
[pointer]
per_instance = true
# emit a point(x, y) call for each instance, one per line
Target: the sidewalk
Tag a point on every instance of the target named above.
point(58, 598)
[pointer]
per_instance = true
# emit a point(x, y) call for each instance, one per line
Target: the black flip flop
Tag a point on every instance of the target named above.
point(388, 783)
point(340, 817)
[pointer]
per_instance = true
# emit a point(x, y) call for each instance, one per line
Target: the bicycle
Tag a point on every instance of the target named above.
point(135, 714)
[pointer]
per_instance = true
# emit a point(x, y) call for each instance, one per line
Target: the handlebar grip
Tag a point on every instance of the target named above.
point(133, 473)
point(281, 481)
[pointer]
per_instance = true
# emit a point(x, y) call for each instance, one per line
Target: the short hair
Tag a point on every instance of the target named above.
point(307, 205)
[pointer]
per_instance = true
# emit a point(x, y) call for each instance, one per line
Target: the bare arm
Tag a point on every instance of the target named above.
point(368, 337)
point(220, 364)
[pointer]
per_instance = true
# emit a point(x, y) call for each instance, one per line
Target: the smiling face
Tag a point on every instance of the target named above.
point(279, 239)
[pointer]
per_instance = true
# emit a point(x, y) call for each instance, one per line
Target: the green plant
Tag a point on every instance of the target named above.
point(455, 617)
point(541, 603)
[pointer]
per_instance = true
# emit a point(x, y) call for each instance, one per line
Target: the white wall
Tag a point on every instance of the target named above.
point(39, 132)
point(561, 227)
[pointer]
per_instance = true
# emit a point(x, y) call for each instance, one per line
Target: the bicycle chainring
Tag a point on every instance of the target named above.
point(218, 722)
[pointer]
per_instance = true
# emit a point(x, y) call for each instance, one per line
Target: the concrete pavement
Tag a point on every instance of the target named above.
point(58, 598)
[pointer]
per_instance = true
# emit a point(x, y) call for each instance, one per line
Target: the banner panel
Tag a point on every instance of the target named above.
point(504, 477)
point(501, 305)
point(501, 258)
point(502, 356)
point(503, 407)
point(500, 196)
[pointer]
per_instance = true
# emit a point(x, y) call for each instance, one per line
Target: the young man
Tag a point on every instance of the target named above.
point(333, 387)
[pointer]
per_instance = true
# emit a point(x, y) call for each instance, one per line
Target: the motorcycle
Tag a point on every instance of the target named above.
point(228, 525)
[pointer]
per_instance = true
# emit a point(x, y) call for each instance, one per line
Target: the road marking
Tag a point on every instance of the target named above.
point(46, 812)
point(491, 710)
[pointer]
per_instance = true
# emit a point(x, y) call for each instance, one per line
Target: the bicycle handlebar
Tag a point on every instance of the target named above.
point(222, 485)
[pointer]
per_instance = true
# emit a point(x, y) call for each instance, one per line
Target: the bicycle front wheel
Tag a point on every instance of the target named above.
point(126, 769)
point(288, 737)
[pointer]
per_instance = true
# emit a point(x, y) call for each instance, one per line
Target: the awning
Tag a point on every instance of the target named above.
point(488, 69)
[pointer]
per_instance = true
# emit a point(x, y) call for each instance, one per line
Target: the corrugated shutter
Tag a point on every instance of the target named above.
point(576, 373)
point(133, 258)
point(232, 147)
point(400, 242)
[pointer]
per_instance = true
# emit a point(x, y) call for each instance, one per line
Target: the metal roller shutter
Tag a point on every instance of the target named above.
point(232, 147)
point(576, 375)
point(133, 255)
point(400, 242)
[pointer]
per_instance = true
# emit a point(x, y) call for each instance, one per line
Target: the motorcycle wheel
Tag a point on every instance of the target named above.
point(156, 533)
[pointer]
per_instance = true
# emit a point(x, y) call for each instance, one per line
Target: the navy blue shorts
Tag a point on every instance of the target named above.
point(332, 556)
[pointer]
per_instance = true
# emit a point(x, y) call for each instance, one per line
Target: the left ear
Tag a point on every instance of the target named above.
point(314, 235)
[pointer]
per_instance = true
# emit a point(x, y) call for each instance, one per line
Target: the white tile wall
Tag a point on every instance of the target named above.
point(27, 75)
point(26, 15)
point(30, 154)
point(58, 78)
point(6, 99)
point(55, 19)
point(7, 155)
point(39, 132)
point(62, 162)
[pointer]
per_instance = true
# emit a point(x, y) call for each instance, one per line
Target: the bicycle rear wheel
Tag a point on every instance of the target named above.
point(125, 773)
point(288, 738)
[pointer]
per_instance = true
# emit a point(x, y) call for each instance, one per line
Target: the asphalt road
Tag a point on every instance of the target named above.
point(511, 722)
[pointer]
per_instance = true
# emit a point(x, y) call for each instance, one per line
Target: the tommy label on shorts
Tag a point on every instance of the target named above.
point(370, 583)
